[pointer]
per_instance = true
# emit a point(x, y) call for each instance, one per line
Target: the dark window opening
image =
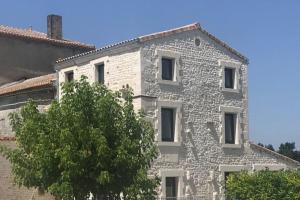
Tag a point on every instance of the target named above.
point(69, 76)
point(229, 78)
point(171, 188)
point(230, 128)
point(167, 124)
point(100, 73)
point(167, 69)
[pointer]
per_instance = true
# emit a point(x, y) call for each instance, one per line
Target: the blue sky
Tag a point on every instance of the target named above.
point(267, 32)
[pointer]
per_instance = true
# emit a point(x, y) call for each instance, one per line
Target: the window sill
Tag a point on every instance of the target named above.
point(230, 90)
point(166, 82)
point(232, 146)
point(169, 144)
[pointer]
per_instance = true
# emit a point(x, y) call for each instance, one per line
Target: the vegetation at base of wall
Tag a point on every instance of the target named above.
point(90, 143)
point(263, 185)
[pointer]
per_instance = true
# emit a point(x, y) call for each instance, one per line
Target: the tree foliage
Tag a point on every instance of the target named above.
point(90, 142)
point(289, 149)
point(262, 185)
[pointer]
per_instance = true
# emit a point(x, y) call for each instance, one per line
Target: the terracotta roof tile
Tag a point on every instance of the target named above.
point(152, 36)
point(36, 82)
point(39, 36)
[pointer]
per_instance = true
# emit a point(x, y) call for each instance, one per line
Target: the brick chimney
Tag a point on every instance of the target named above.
point(54, 27)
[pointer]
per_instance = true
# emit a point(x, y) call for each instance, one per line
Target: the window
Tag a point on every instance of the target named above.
point(230, 128)
point(167, 124)
point(171, 188)
point(229, 77)
point(100, 73)
point(69, 76)
point(167, 69)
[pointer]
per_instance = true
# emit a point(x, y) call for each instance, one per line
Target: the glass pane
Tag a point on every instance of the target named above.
point(229, 78)
point(229, 128)
point(167, 124)
point(101, 73)
point(171, 188)
point(167, 69)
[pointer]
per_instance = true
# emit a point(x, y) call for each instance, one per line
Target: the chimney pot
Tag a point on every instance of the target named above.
point(54, 27)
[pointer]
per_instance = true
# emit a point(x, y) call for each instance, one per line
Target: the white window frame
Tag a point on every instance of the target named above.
point(62, 77)
point(95, 64)
point(179, 174)
point(177, 106)
point(176, 66)
point(229, 168)
point(237, 111)
point(233, 65)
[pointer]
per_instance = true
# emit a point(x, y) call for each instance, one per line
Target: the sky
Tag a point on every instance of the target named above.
point(267, 32)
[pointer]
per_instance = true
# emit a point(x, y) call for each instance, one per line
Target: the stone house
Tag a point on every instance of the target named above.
point(194, 88)
point(26, 53)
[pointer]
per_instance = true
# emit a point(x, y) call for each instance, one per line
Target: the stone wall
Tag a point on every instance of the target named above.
point(120, 69)
point(26, 59)
point(13, 102)
point(198, 157)
point(199, 90)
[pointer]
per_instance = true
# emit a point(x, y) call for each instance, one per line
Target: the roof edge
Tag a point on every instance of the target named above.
point(156, 35)
point(63, 42)
point(274, 153)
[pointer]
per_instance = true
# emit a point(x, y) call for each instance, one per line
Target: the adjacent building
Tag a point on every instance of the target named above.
point(194, 88)
point(26, 53)
point(27, 59)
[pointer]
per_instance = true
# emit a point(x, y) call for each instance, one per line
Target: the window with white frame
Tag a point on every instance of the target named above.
point(171, 188)
point(100, 73)
point(231, 132)
point(230, 128)
point(169, 122)
point(168, 67)
point(172, 184)
point(230, 76)
point(69, 76)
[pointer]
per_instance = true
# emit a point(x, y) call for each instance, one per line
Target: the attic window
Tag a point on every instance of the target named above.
point(197, 42)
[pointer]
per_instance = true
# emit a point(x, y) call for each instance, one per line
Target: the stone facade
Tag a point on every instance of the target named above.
point(198, 156)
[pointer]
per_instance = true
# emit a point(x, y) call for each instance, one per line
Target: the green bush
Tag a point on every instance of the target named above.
point(263, 185)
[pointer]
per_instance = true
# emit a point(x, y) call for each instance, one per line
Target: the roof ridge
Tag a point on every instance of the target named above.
point(37, 35)
point(275, 153)
point(160, 34)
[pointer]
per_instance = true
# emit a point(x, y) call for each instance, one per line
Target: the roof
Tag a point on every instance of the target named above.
point(194, 26)
point(36, 82)
point(274, 153)
point(29, 34)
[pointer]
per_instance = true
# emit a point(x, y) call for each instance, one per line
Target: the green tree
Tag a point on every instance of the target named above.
point(289, 149)
point(89, 142)
point(263, 185)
